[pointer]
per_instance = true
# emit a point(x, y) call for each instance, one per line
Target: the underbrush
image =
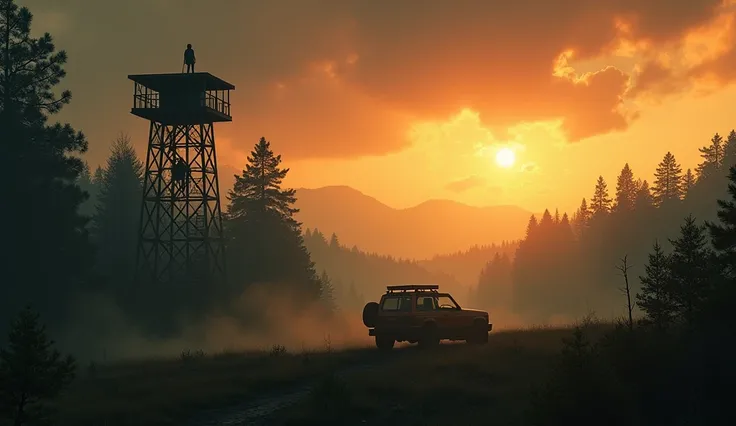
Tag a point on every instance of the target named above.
point(169, 390)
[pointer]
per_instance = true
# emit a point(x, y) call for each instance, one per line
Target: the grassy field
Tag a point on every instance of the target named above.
point(168, 391)
point(452, 384)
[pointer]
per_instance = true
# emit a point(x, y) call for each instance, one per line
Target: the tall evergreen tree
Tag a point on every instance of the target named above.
point(668, 180)
point(723, 234)
point(47, 238)
point(729, 151)
point(115, 225)
point(581, 218)
point(334, 242)
point(712, 156)
point(723, 240)
point(87, 184)
point(688, 182)
point(327, 293)
point(690, 268)
point(267, 243)
point(32, 372)
point(625, 190)
point(531, 227)
point(644, 197)
point(98, 177)
point(656, 296)
point(601, 202)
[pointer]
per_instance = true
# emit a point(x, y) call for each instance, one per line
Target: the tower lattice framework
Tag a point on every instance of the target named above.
point(181, 220)
point(180, 231)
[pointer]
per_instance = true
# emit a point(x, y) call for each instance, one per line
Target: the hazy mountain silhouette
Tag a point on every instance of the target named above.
point(432, 227)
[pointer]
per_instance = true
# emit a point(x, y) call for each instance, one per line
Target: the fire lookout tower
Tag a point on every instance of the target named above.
point(180, 231)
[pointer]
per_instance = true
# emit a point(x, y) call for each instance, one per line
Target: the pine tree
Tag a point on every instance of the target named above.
point(581, 218)
point(87, 184)
point(688, 182)
point(267, 242)
point(668, 181)
point(32, 372)
point(723, 239)
point(712, 157)
point(115, 225)
point(690, 268)
point(656, 296)
point(644, 197)
point(625, 190)
point(48, 240)
point(327, 293)
point(566, 232)
point(601, 202)
point(98, 177)
point(334, 242)
point(531, 227)
point(723, 234)
point(729, 151)
point(546, 224)
point(257, 191)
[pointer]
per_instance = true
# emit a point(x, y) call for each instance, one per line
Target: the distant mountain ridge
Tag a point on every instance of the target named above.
point(420, 232)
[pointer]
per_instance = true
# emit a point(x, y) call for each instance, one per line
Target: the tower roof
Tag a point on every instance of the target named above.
point(181, 81)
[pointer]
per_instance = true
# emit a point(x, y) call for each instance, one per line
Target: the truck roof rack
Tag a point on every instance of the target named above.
point(412, 287)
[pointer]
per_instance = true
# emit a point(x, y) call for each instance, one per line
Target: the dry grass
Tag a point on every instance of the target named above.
point(167, 391)
point(454, 384)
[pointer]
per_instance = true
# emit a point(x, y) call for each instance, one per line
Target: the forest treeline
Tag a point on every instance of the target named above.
point(358, 277)
point(673, 365)
point(566, 264)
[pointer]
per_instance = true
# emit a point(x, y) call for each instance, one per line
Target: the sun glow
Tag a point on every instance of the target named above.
point(505, 158)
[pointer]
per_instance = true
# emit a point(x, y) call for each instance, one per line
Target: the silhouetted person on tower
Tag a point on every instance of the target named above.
point(189, 58)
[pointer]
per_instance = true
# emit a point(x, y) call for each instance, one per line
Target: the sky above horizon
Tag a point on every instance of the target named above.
point(408, 101)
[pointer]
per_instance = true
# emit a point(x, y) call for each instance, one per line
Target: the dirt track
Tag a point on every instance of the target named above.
point(258, 411)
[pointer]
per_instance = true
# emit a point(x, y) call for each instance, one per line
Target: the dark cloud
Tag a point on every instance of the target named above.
point(345, 78)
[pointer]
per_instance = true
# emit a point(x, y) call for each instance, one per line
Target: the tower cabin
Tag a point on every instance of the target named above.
point(181, 99)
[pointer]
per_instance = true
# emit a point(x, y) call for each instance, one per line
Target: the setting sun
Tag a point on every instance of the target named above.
point(505, 158)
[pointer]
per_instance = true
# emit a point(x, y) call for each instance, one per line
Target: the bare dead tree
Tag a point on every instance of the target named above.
point(624, 267)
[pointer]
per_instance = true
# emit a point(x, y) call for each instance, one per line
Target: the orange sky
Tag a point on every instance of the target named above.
point(408, 100)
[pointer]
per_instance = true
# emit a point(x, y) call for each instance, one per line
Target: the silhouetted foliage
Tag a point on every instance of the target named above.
point(357, 276)
point(266, 243)
point(690, 270)
point(668, 181)
point(712, 157)
point(494, 287)
point(32, 372)
point(677, 353)
point(48, 229)
point(115, 225)
point(601, 202)
point(327, 293)
point(464, 265)
point(87, 184)
point(655, 298)
point(626, 190)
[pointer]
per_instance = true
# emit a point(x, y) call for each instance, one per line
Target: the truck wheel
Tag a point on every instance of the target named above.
point(370, 314)
point(430, 337)
point(478, 334)
point(384, 343)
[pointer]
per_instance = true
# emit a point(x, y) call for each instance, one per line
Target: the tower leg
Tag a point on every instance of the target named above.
point(181, 235)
